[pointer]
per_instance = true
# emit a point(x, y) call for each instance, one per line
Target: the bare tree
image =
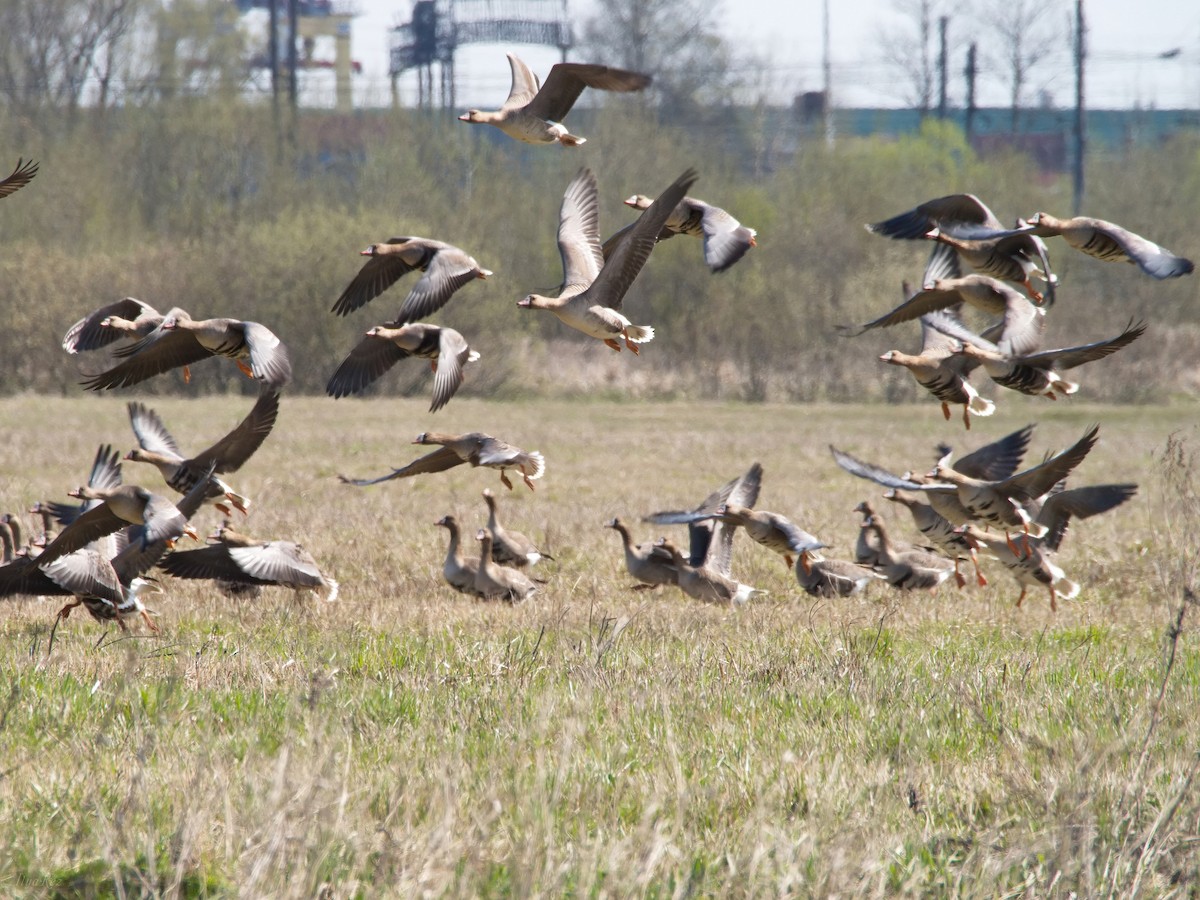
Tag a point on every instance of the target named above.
point(52, 48)
point(908, 45)
point(674, 40)
point(1025, 32)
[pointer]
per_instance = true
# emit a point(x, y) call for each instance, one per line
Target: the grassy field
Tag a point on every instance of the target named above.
point(594, 741)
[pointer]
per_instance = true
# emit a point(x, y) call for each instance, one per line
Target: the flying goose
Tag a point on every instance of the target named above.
point(383, 346)
point(1036, 564)
point(770, 529)
point(726, 240)
point(476, 448)
point(446, 268)
point(1109, 241)
point(158, 447)
point(593, 288)
point(180, 340)
point(21, 176)
point(1034, 373)
point(710, 540)
point(533, 113)
point(964, 222)
point(232, 556)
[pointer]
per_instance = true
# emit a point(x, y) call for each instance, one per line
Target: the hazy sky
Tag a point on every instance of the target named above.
point(1125, 40)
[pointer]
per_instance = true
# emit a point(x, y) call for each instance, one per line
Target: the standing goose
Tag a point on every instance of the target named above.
point(940, 532)
point(820, 576)
point(458, 570)
point(726, 240)
point(495, 582)
point(21, 176)
point(866, 545)
point(476, 448)
point(1108, 241)
point(908, 570)
point(384, 346)
point(704, 583)
point(446, 268)
point(180, 340)
point(649, 563)
point(230, 453)
point(533, 113)
point(510, 548)
point(593, 288)
point(240, 559)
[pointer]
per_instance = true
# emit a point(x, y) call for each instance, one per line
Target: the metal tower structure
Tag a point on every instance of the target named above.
point(439, 27)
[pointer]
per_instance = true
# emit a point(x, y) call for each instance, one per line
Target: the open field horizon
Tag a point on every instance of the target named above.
point(595, 741)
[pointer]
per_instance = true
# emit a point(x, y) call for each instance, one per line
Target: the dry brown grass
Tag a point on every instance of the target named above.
point(404, 741)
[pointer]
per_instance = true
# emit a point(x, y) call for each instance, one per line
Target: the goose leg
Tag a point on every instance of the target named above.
point(633, 348)
point(528, 482)
point(1022, 597)
point(1053, 599)
point(504, 480)
point(611, 343)
point(958, 576)
point(187, 374)
point(979, 579)
point(966, 416)
point(246, 370)
point(946, 411)
point(149, 622)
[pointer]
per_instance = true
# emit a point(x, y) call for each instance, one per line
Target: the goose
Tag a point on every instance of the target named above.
point(770, 529)
point(964, 222)
point(649, 563)
point(726, 240)
point(157, 447)
point(1036, 565)
point(1109, 241)
point(8, 549)
point(866, 545)
point(994, 461)
point(510, 548)
point(180, 340)
point(458, 570)
point(494, 582)
point(383, 346)
point(593, 288)
point(1035, 374)
point(710, 539)
point(704, 583)
point(939, 532)
point(820, 576)
point(942, 372)
point(1024, 323)
point(232, 556)
point(533, 113)
point(126, 318)
point(476, 448)
point(120, 506)
point(21, 176)
point(445, 269)
point(908, 570)
point(1003, 502)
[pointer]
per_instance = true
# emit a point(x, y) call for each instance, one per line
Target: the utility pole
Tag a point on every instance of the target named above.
point(293, 62)
point(970, 71)
point(943, 24)
point(828, 87)
point(1080, 112)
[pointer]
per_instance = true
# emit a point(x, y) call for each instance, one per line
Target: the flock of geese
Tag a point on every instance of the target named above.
point(98, 551)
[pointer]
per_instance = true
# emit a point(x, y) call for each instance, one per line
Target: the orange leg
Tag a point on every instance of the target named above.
point(433, 366)
point(787, 558)
point(149, 622)
point(1021, 598)
point(1053, 600)
point(246, 370)
point(958, 576)
point(187, 374)
point(504, 480)
point(611, 343)
point(979, 579)
point(946, 411)
point(966, 416)
point(633, 348)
